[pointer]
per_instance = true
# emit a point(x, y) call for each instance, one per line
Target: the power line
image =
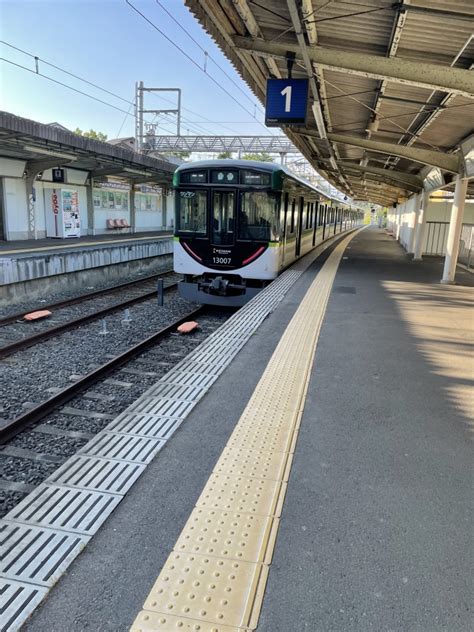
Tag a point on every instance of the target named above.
point(207, 54)
point(67, 72)
point(65, 85)
point(192, 61)
point(71, 74)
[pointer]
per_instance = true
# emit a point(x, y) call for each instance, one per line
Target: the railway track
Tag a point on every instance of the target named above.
point(39, 336)
point(38, 441)
point(84, 297)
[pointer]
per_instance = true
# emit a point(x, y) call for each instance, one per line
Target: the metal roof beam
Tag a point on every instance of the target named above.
point(106, 171)
point(415, 73)
point(405, 180)
point(448, 162)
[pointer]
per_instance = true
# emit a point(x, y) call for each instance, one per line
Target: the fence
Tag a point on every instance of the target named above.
point(466, 245)
point(437, 236)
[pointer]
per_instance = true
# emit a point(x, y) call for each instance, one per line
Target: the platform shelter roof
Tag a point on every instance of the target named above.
point(391, 86)
point(45, 146)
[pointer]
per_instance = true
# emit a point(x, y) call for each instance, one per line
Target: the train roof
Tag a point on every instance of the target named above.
point(252, 164)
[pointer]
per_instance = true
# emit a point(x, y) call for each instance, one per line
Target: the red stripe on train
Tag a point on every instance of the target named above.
point(254, 256)
point(186, 247)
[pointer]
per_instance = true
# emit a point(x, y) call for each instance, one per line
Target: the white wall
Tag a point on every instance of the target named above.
point(401, 222)
point(16, 215)
point(16, 204)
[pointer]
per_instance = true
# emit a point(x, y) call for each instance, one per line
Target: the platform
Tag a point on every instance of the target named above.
point(25, 248)
point(34, 268)
point(375, 528)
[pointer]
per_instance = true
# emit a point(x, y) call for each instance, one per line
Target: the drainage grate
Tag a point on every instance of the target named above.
point(72, 510)
point(103, 475)
point(17, 602)
point(109, 445)
point(37, 555)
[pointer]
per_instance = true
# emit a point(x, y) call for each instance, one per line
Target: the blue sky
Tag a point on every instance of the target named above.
point(107, 43)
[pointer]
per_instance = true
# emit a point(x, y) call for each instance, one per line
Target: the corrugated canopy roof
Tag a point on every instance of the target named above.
point(40, 145)
point(380, 72)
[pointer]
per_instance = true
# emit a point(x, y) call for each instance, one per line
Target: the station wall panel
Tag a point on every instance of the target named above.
point(16, 216)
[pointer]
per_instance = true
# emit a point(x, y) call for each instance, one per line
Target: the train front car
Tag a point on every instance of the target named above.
point(226, 229)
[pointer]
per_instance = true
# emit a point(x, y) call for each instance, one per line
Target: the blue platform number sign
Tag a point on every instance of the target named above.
point(287, 102)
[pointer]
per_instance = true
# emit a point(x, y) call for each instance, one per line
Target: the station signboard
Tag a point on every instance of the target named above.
point(58, 175)
point(286, 102)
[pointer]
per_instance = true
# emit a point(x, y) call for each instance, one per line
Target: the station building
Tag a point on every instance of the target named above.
point(54, 183)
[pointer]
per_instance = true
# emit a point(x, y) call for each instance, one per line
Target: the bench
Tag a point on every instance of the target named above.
point(117, 224)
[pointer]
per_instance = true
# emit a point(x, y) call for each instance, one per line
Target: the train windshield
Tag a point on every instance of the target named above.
point(192, 212)
point(258, 216)
point(223, 218)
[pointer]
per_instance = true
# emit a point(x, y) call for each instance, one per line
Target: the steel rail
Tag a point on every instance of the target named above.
point(23, 343)
point(37, 413)
point(84, 297)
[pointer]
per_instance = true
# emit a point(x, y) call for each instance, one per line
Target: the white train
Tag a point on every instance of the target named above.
point(239, 223)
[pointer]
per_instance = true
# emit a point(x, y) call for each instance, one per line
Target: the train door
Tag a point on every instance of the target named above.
point(284, 228)
point(223, 218)
point(316, 206)
point(299, 227)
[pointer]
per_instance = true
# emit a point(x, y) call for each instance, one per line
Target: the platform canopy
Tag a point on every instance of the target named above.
point(391, 91)
point(46, 146)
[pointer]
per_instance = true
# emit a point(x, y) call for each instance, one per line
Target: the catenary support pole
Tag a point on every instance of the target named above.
point(455, 226)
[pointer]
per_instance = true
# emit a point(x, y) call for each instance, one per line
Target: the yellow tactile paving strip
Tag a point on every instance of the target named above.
point(214, 580)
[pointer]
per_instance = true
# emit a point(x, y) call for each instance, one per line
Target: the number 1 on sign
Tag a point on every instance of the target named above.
point(287, 94)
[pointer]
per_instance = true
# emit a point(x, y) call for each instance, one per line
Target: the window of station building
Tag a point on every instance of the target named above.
point(258, 215)
point(192, 212)
point(224, 176)
point(193, 177)
point(255, 177)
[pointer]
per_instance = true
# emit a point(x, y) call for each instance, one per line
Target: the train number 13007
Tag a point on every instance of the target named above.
point(221, 260)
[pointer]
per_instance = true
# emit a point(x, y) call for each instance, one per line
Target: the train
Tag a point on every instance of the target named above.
point(240, 223)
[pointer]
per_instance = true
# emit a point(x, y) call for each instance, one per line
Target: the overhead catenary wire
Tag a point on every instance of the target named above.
point(208, 55)
point(192, 125)
point(193, 61)
point(75, 76)
point(65, 85)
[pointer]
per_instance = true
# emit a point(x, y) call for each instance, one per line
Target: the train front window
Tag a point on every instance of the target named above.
point(192, 212)
point(258, 216)
point(223, 218)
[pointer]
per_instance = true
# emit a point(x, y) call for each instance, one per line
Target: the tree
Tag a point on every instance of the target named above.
point(180, 154)
point(91, 134)
point(262, 156)
point(225, 154)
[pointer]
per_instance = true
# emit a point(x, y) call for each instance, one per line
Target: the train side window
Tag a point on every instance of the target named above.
point(292, 219)
point(192, 212)
point(258, 215)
